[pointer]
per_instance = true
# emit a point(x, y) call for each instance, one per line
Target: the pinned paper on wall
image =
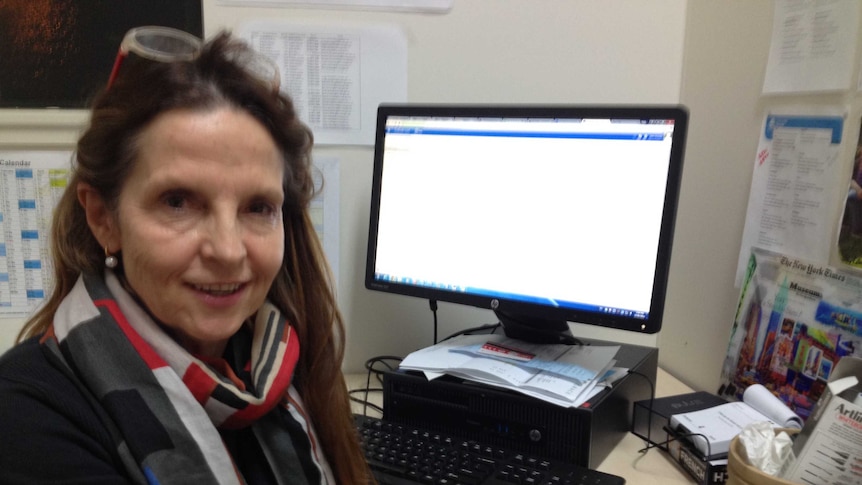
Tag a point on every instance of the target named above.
point(796, 187)
point(335, 75)
point(31, 184)
point(812, 46)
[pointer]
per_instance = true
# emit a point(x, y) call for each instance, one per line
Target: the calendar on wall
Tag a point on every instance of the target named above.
point(31, 184)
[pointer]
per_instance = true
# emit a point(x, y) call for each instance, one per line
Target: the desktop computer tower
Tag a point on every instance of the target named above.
point(508, 419)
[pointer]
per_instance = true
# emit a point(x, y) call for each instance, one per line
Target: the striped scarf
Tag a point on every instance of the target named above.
point(165, 407)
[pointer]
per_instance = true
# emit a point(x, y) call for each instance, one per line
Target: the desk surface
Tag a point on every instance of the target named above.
point(654, 467)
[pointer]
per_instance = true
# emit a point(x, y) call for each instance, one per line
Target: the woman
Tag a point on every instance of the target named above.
point(192, 335)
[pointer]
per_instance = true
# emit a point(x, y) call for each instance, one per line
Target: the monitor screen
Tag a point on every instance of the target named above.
point(543, 214)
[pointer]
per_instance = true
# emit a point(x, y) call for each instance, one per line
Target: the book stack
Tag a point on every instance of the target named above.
point(651, 422)
point(706, 471)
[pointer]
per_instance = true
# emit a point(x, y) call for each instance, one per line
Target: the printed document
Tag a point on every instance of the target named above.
point(336, 75)
point(812, 46)
point(796, 181)
point(566, 375)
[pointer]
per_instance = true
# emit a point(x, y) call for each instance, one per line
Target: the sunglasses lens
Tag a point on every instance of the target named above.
point(153, 43)
point(161, 44)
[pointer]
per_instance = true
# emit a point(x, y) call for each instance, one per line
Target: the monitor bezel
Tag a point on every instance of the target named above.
point(653, 323)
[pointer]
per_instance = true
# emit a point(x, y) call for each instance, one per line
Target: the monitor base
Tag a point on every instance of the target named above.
point(536, 330)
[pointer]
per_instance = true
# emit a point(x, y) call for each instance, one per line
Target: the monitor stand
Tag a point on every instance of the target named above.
point(583, 435)
point(536, 330)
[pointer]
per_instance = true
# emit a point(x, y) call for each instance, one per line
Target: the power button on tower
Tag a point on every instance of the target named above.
point(535, 435)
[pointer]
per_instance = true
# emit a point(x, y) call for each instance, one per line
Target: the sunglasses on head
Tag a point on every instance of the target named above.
point(166, 44)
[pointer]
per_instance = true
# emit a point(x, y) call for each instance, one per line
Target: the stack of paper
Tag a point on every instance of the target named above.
point(566, 375)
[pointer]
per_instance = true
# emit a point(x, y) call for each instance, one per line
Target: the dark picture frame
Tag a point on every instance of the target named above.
point(59, 53)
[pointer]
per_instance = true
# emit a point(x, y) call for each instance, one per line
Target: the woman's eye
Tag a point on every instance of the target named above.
point(263, 208)
point(175, 200)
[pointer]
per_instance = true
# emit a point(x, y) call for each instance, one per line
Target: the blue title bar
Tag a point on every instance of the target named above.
point(414, 130)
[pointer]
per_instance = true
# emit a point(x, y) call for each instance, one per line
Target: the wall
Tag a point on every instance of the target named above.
point(707, 55)
point(727, 44)
point(726, 51)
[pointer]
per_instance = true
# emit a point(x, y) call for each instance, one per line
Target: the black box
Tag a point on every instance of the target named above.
point(705, 472)
point(652, 428)
point(498, 417)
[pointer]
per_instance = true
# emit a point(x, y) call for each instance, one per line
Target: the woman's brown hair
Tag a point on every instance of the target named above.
point(302, 289)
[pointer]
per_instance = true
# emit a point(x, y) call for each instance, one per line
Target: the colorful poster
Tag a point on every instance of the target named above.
point(795, 320)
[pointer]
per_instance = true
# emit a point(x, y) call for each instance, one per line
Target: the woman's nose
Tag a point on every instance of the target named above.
point(224, 240)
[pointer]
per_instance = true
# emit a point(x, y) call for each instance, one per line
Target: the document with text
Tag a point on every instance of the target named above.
point(336, 75)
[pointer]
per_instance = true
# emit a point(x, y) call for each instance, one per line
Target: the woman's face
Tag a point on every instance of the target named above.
point(200, 225)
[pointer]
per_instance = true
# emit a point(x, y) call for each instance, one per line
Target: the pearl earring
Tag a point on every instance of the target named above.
point(111, 261)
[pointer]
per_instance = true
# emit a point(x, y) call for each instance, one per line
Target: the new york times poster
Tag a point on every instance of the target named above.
point(794, 321)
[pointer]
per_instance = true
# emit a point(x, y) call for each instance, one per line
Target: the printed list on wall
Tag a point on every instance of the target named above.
point(31, 184)
point(336, 75)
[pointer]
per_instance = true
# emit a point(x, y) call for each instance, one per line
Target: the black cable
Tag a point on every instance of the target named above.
point(383, 359)
point(365, 401)
point(490, 326)
point(370, 366)
point(649, 443)
point(676, 436)
point(433, 305)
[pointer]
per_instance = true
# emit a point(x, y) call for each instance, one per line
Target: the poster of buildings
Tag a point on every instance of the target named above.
point(794, 321)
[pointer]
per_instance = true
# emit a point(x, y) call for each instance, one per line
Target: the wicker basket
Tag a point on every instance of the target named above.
point(741, 472)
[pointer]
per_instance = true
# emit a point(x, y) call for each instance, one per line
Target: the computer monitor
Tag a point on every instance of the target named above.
point(543, 214)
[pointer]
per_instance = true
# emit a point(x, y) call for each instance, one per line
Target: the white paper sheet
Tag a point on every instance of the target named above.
point(793, 189)
point(336, 75)
point(458, 357)
point(813, 44)
point(762, 399)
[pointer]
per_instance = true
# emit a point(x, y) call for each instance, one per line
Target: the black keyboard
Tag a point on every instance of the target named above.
point(405, 455)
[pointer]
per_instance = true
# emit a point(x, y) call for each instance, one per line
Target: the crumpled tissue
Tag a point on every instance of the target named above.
point(766, 450)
